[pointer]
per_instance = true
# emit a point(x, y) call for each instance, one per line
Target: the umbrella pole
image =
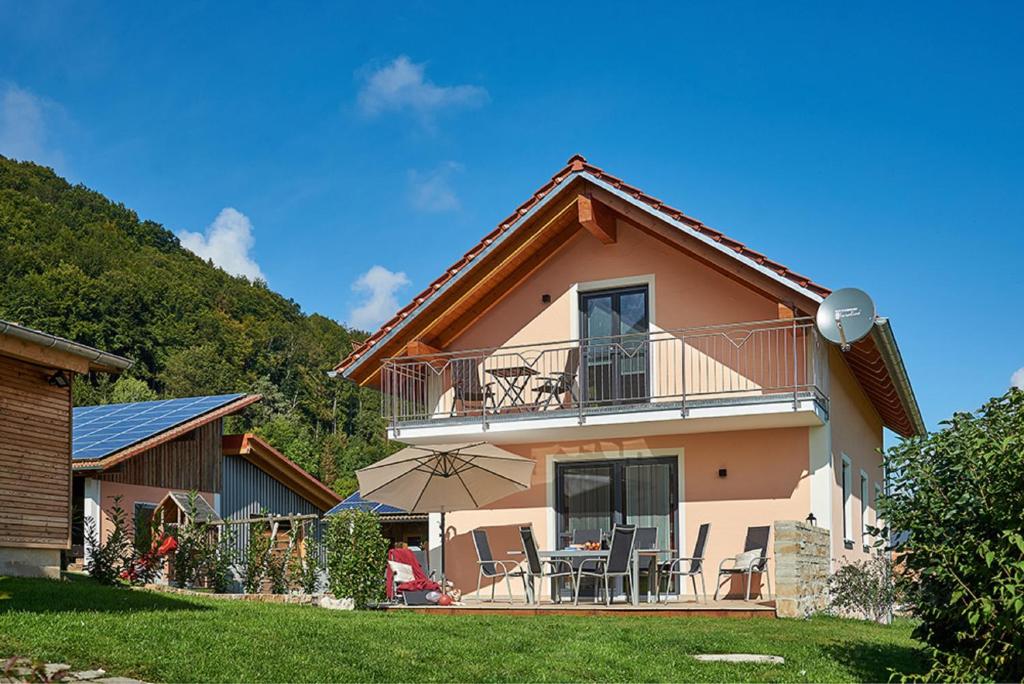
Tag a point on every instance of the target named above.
point(442, 551)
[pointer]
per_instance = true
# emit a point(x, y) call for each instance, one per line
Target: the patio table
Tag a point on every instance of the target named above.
point(652, 558)
point(513, 379)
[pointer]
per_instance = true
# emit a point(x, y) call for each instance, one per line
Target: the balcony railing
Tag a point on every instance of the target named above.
point(722, 365)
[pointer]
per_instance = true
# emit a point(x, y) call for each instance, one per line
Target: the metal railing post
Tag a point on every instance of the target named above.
point(796, 404)
point(682, 365)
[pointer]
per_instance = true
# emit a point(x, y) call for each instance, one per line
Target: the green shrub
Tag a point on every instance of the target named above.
point(254, 564)
point(110, 557)
point(865, 589)
point(192, 558)
point(305, 569)
point(220, 562)
point(959, 493)
point(356, 557)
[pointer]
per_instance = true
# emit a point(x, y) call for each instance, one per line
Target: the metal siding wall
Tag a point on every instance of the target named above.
point(247, 489)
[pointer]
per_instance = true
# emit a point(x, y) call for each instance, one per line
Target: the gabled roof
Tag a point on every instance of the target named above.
point(356, 502)
point(199, 511)
point(105, 435)
point(281, 468)
point(875, 361)
point(36, 346)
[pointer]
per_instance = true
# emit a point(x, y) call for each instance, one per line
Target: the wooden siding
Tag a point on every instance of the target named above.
point(192, 461)
point(35, 458)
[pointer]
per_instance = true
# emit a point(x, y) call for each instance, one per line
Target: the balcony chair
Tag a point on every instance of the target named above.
point(535, 569)
point(468, 389)
point(492, 569)
point(675, 567)
point(753, 559)
point(620, 555)
point(556, 386)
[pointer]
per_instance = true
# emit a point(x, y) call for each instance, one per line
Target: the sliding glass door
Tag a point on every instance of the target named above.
point(598, 494)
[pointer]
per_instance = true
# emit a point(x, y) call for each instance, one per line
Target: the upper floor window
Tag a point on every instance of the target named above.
point(614, 327)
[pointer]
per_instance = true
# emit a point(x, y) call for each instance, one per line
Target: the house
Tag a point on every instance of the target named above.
point(657, 371)
point(36, 370)
point(143, 451)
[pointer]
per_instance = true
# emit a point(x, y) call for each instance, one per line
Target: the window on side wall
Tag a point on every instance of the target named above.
point(865, 537)
point(847, 480)
point(878, 496)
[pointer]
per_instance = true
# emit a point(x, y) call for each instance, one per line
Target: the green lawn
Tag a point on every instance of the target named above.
point(161, 637)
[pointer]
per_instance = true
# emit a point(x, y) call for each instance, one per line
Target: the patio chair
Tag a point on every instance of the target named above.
point(676, 566)
point(535, 568)
point(647, 538)
point(491, 568)
point(556, 386)
point(753, 559)
point(468, 389)
point(620, 555)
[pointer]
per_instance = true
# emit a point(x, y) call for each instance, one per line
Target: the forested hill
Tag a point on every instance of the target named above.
point(76, 264)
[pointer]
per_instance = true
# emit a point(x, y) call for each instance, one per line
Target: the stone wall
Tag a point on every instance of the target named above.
point(801, 569)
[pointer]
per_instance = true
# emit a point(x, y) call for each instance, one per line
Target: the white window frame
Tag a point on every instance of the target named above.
point(846, 474)
point(865, 493)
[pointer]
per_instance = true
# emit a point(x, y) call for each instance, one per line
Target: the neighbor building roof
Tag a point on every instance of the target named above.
point(356, 502)
point(108, 434)
point(32, 345)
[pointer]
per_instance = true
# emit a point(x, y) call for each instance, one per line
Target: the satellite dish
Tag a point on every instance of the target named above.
point(846, 316)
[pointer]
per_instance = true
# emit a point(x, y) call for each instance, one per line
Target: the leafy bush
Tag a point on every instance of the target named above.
point(864, 588)
point(356, 557)
point(221, 561)
point(305, 568)
point(277, 572)
point(254, 564)
point(109, 557)
point(193, 555)
point(959, 494)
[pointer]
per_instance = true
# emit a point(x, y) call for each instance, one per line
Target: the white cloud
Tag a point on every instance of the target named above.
point(1017, 379)
point(226, 243)
point(401, 85)
point(23, 127)
point(378, 285)
point(431, 191)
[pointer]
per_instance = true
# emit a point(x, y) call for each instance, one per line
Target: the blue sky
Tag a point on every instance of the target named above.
point(349, 153)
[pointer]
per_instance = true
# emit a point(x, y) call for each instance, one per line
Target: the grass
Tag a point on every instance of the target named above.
point(162, 637)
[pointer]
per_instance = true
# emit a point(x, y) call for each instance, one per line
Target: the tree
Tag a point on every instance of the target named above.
point(958, 494)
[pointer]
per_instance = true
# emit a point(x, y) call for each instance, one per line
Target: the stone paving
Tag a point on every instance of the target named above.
point(23, 670)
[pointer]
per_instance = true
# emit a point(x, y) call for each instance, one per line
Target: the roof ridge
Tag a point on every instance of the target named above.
point(577, 163)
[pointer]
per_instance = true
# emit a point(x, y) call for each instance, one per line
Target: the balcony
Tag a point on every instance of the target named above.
point(772, 373)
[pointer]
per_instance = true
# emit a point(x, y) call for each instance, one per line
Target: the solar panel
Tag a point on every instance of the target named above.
point(355, 501)
point(98, 431)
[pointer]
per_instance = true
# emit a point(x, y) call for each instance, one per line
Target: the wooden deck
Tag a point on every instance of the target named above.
point(678, 609)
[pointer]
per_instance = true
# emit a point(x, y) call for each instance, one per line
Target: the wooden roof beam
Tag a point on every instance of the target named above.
point(597, 218)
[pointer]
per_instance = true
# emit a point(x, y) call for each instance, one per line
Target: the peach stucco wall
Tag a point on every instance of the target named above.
point(130, 495)
point(856, 433)
point(687, 293)
point(767, 480)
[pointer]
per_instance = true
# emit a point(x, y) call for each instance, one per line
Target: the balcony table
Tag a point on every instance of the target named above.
point(513, 379)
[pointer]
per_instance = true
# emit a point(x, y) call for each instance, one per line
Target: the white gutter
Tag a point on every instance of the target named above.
point(101, 359)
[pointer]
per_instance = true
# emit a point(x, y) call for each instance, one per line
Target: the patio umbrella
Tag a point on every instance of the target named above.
point(446, 477)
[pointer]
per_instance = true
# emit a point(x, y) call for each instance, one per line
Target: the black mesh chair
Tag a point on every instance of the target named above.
point(620, 555)
point(757, 541)
point(468, 389)
point(491, 568)
point(556, 386)
point(647, 538)
point(692, 567)
point(535, 569)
